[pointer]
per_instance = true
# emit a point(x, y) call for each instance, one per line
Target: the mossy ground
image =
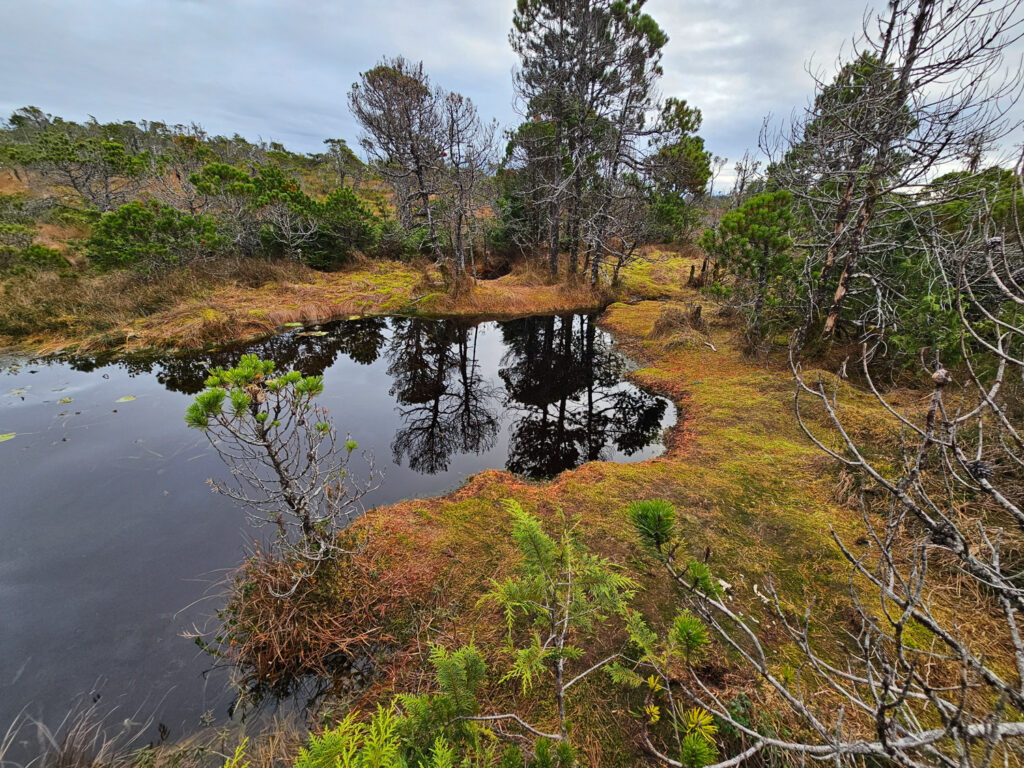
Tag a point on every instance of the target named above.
point(754, 495)
point(752, 492)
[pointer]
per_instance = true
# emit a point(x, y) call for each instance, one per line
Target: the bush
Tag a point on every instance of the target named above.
point(392, 241)
point(18, 254)
point(345, 226)
point(30, 259)
point(15, 236)
point(152, 236)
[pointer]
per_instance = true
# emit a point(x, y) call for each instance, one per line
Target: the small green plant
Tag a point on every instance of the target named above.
point(290, 468)
point(655, 661)
point(562, 593)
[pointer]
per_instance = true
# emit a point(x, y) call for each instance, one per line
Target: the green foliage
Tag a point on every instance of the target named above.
point(15, 236)
point(597, 588)
point(680, 169)
point(92, 160)
point(685, 643)
point(562, 592)
point(460, 675)
point(550, 754)
point(653, 521)
point(352, 744)
point(756, 236)
point(689, 636)
point(393, 241)
point(345, 225)
point(246, 387)
point(152, 236)
point(30, 259)
point(270, 208)
point(753, 242)
point(698, 750)
point(19, 255)
point(237, 760)
point(425, 731)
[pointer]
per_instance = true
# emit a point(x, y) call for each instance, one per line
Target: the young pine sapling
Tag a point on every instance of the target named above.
point(284, 455)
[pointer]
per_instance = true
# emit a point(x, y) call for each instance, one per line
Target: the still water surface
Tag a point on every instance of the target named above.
point(111, 544)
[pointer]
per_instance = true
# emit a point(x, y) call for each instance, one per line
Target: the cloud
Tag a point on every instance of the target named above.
point(281, 69)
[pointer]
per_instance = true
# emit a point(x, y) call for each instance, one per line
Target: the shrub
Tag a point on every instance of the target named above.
point(15, 235)
point(18, 254)
point(345, 225)
point(30, 259)
point(393, 242)
point(152, 236)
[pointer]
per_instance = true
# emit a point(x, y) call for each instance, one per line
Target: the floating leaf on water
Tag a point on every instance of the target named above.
point(64, 400)
point(7, 436)
point(293, 325)
point(353, 317)
point(312, 333)
point(125, 399)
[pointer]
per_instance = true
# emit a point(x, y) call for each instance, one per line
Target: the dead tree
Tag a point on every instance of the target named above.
point(469, 146)
point(924, 89)
point(931, 670)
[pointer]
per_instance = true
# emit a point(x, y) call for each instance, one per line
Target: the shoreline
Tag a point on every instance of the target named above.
point(220, 314)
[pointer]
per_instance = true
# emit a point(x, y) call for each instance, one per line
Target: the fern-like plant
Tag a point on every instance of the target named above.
point(560, 595)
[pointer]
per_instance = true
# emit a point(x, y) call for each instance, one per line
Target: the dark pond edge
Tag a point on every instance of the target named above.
point(116, 353)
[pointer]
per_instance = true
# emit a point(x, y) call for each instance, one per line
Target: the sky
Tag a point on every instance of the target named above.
point(280, 70)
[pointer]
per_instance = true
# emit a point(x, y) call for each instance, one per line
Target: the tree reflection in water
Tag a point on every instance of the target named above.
point(445, 405)
point(565, 381)
point(559, 387)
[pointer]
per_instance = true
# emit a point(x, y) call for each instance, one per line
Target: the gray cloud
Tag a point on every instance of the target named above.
point(281, 69)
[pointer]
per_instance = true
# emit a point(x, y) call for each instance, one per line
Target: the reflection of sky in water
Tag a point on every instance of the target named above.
point(109, 534)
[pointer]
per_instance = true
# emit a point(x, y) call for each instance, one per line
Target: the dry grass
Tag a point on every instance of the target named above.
point(246, 298)
point(47, 311)
point(88, 737)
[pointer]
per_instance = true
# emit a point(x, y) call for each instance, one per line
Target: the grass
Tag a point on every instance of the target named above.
point(753, 494)
point(82, 311)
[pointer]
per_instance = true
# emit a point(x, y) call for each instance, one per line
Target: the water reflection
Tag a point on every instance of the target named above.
point(565, 382)
point(445, 405)
point(559, 387)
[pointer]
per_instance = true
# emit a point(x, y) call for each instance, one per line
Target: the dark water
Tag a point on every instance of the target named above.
point(111, 543)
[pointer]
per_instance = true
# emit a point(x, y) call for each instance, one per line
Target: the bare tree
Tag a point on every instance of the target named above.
point(925, 88)
point(469, 146)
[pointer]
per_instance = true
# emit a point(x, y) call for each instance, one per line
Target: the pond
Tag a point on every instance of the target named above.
point(112, 545)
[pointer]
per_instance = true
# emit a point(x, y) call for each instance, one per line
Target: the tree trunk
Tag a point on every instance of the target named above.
point(554, 209)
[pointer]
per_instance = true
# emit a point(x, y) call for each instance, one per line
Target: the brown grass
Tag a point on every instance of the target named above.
point(46, 311)
point(11, 184)
point(246, 298)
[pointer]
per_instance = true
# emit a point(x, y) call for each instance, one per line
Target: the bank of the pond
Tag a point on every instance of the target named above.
point(755, 498)
point(120, 312)
point(111, 533)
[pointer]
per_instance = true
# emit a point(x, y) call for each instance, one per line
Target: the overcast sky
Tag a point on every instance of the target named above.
point(280, 69)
